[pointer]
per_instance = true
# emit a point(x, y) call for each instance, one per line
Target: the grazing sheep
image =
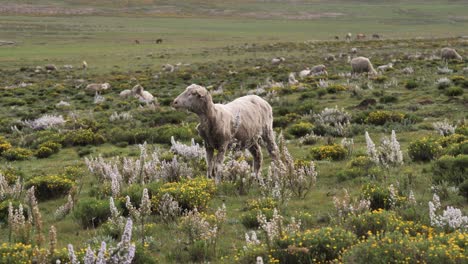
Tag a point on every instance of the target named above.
point(353, 50)
point(330, 57)
point(376, 36)
point(168, 67)
point(159, 41)
point(319, 70)
point(137, 41)
point(362, 64)
point(142, 95)
point(50, 67)
point(97, 87)
point(126, 93)
point(68, 67)
point(348, 37)
point(360, 36)
point(242, 122)
point(292, 79)
point(277, 60)
point(304, 73)
point(384, 68)
point(337, 38)
point(85, 65)
point(450, 54)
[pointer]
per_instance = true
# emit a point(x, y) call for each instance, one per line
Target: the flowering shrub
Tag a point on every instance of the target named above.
point(329, 152)
point(379, 197)
point(51, 186)
point(397, 248)
point(444, 127)
point(4, 145)
point(388, 153)
point(454, 91)
point(450, 219)
point(332, 121)
point(13, 154)
point(314, 246)
point(16, 253)
point(264, 206)
point(189, 193)
point(380, 117)
point(424, 149)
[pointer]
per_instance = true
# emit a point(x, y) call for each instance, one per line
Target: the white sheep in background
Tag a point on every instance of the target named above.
point(98, 87)
point(362, 64)
point(142, 95)
point(304, 73)
point(277, 60)
point(50, 67)
point(242, 122)
point(168, 67)
point(292, 79)
point(384, 68)
point(126, 93)
point(84, 65)
point(450, 54)
point(319, 70)
point(348, 37)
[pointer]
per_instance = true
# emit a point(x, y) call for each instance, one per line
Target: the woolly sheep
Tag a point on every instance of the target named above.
point(362, 64)
point(450, 54)
point(85, 65)
point(243, 122)
point(126, 93)
point(97, 87)
point(360, 36)
point(304, 73)
point(319, 70)
point(168, 67)
point(349, 36)
point(383, 68)
point(292, 78)
point(50, 67)
point(142, 95)
point(277, 60)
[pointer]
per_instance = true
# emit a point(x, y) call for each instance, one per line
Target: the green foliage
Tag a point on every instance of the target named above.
point(424, 149)
point(411, 84)
point(329, 152)
point(253, 208)
point(13, 154)
point(378, 196)
point(83, 137)
point(4, 145)
point(454, 91)
point(335, 88)
point(463, 189)
point(50, 186)
point(321, 245)
point(451, 169)
point(380, 117)
point(4, 209)
point(44, 152)
point(300, 129)
point(91, 212)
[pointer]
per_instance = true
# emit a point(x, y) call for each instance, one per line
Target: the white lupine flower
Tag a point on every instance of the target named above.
point(145, 206)
point(99, 99)
point(71, 255)
point(411, 198)
point(123, 116)
point(168, 208)
point(371, 150)
point(44, 122)
point(101, 256)
point(194, 151)
point(444, 128)
point(89, 257)
point(65, 209)
point(334, 119)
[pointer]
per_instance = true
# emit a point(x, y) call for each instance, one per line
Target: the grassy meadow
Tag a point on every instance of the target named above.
point(228, 48)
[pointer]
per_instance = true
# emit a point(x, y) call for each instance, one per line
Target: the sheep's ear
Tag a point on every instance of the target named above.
point(201, 92)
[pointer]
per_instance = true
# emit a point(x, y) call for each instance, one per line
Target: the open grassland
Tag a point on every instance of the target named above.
point(231, 55)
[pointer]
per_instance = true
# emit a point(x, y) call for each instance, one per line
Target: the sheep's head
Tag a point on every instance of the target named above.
point(137, 89)
point(195, 98)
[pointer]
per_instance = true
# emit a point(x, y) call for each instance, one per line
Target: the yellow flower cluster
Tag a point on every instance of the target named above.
point(329, 152)
point(190, 193)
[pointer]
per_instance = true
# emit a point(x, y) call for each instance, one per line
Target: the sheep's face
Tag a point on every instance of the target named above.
point(194, 99)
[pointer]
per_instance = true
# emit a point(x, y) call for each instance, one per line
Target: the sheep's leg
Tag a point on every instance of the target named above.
point(218, 163)
point(209, 162)
point(257, 158)
point(269, 139)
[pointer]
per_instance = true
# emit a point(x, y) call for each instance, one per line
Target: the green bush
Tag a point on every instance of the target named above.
point(451, 169)
point(13, 154)
point(335, 88)
point(83, 137)
point(91, 212)
point(380, 117)
point(50, 186)
point(321, 245)
point(463, 189)
point(328, 152)
point(424, 149)
point(388, 99)
point(411, 84)
point(44, 152)
point(255, 206)
point(54, 146)
point(454, 91)
point(300, 129)
point(378, 196)
point(4, 209)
